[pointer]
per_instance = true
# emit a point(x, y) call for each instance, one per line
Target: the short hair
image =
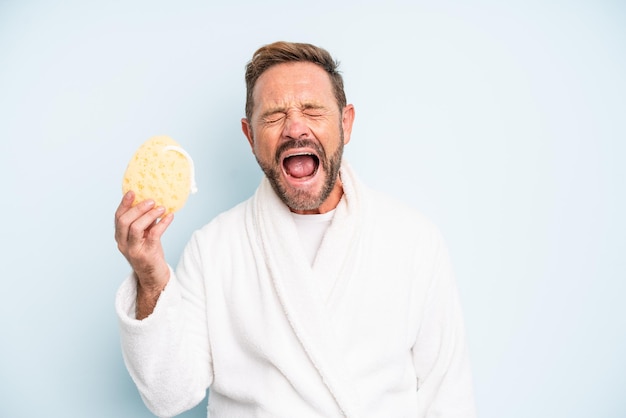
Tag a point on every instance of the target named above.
point(284, 52)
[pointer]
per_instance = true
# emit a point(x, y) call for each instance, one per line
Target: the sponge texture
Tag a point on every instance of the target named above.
point(162, 171)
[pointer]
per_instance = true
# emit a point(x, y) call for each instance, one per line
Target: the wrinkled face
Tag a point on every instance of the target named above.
point(297, 134)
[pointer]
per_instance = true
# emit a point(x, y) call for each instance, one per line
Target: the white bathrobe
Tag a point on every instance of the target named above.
point(372, 329)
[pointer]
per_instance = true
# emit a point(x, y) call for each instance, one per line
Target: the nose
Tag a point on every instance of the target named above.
point(295, 126)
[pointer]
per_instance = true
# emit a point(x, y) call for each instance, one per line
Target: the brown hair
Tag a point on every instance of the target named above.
point(282, 52)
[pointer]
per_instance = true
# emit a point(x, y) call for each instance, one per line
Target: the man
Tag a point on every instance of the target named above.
point(316, 297)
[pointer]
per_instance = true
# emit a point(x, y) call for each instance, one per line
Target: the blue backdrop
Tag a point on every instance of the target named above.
point(503, 121)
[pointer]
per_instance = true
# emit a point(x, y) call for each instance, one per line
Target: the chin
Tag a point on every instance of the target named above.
point(304, 198)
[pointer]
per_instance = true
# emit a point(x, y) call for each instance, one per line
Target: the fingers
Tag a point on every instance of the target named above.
point(159, 226)
point(126, 215)
point(121, 230)
point(125, 204)
point(139, 225)
point(139, 228)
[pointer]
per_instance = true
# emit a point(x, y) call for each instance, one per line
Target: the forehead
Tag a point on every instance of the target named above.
point(293, 84)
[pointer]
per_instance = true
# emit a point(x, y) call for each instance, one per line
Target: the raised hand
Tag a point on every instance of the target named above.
point(138, 231)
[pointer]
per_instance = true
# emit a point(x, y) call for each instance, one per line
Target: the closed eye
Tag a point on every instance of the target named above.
point(273, 118)
point(313, 114)
point(314, 111)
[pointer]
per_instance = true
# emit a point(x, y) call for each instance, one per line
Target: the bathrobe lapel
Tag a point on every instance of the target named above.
point(296, 282)
point(341, 248)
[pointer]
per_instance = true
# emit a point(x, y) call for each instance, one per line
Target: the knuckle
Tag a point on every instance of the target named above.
point(135, 229)
point(120, 225)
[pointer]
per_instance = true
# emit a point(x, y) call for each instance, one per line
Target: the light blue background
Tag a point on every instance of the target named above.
point(504, 122)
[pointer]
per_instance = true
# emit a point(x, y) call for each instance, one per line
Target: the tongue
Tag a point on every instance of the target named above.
point(300, 166)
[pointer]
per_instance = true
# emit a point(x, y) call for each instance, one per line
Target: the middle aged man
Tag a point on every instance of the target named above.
point(316, 297)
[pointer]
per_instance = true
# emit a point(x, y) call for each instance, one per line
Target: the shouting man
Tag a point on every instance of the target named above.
point(316, 297)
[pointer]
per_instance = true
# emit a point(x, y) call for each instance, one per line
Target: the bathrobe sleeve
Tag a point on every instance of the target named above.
point(440, 353)
point(167, 354)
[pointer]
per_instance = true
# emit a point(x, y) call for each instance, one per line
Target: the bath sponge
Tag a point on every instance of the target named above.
point(163, 171)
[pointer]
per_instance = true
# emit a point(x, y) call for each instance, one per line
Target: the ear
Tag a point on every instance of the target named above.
point(247, 131)
point(347, 119)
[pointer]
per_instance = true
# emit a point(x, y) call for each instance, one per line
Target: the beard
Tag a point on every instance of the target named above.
point(299, 199)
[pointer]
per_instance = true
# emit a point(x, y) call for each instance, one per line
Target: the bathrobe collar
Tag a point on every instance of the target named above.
point(296, 282)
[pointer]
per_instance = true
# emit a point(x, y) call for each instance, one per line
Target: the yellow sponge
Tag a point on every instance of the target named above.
point(160, 170)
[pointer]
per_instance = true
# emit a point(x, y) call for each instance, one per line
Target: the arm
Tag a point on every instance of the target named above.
point(138, 234)
point(162, 326)
point(440, 353)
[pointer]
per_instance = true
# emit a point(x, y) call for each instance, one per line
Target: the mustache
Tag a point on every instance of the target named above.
point(300, 143)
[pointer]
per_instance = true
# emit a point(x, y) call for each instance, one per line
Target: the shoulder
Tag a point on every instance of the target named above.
point(391, 211)
point(398, 225)
point(225, 225)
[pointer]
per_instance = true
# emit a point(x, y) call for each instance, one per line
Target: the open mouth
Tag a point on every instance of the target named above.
point(301, 165)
